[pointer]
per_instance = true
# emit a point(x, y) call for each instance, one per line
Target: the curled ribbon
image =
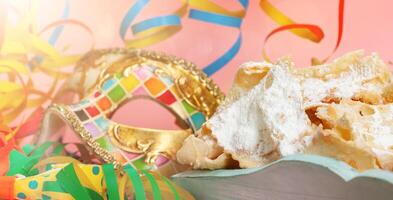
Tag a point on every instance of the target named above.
point(67, 178)
point(223, 20)
point(314, 30)
point(212, 13)
point(150, 31)
point(339, 33)
point(163, 27)
point(307, 31)
point(157, 29)
point(19, 43)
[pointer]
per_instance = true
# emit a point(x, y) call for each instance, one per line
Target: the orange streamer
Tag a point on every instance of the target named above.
point(307, 31)
point(19, 93)
point(340, 30)
point(315, 30)
point(7, 187)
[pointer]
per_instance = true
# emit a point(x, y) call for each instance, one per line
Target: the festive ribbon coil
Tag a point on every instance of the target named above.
point(67, 178)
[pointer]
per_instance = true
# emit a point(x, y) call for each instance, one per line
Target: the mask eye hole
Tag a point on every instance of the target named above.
point(143, 111)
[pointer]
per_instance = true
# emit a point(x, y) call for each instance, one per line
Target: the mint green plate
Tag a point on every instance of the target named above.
point(293, 177)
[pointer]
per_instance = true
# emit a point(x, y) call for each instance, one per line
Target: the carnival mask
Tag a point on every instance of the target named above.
point(106, 79)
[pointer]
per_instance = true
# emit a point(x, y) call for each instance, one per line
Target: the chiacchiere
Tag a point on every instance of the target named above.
point(109, 78)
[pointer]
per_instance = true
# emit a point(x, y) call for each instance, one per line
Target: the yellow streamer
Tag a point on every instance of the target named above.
point(210, 6)
point(281, 19)
point(24, 54)
point(153, 36)
point(156, 35)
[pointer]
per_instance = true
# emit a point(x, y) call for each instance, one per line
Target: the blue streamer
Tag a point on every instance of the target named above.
point(222, 20)
point(168, 20)
point(214, 18)
point(131, 15)
point(56, 33)
point(224, 59)
point(174, 20)
point(244, 3)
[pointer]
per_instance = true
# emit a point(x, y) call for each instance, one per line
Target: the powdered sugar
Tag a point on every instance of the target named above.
point(344, 86)
point(250, 125)
point(271, 116)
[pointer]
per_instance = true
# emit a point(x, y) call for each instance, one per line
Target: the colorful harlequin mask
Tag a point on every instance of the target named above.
point(108, 78)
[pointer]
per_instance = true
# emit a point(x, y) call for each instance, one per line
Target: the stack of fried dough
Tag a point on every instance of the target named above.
point(342, 110)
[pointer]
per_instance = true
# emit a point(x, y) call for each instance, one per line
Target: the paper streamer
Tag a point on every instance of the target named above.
point(69, 179)
point(315, 30)
point(111, 182)
point(19, 42)
point(150, 31)
point(340, 30)
point(214, 16)
point(210, 12)
point(7, 187)
point(223, 20)
point(157, 29)
point(307, 31)
point(56, 33)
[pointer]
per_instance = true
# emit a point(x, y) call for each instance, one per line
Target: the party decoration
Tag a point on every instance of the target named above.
point(69, 179)
point(222, 19)
point(164, 27)
point(24, 54)
point(157, 29)
point(153, 30)
point(176, 84)
point(307, 31)
point(64, 177)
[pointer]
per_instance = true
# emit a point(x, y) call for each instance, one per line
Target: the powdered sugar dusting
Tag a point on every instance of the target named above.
point(344, 86)
point(250, 124)
point(271, 116)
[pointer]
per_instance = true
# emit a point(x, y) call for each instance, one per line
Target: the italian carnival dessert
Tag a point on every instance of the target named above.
point(343, 110)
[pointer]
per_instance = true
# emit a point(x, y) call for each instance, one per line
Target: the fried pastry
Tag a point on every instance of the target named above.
point(368, 127)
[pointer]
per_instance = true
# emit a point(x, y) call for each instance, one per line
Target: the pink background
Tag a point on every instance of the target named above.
point(368, 24)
